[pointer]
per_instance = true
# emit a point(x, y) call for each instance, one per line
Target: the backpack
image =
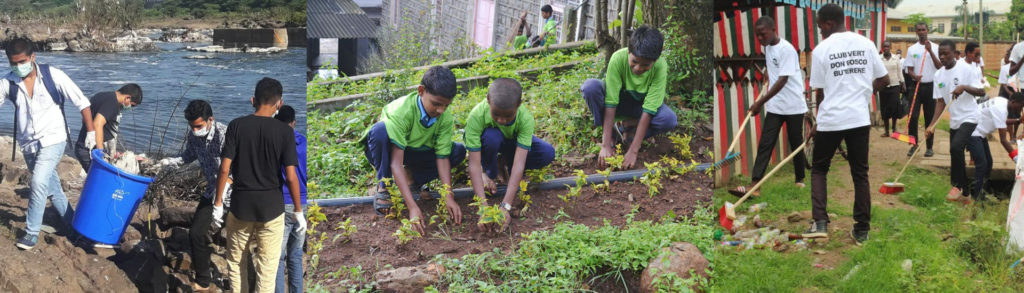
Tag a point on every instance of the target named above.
point(58, 98)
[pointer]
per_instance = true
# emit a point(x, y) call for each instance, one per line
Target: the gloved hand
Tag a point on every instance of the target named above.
point(300, 222)
point(90, 139)
point(218, 216)
point(1013, 155)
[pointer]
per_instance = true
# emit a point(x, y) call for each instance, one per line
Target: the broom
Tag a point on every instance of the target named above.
point(728, 211)
point(895, 186)
point(907, 138)
point(730, 156)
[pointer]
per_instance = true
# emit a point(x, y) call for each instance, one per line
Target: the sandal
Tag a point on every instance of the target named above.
point(740, 191)
point(381, 203)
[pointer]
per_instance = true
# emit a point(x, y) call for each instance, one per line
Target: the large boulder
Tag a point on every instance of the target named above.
point(408, 279)
point(680, 259)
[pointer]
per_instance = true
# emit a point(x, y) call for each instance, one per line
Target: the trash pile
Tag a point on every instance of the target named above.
point(754, 233)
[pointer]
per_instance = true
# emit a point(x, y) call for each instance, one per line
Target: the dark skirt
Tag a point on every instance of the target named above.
point(889, 103)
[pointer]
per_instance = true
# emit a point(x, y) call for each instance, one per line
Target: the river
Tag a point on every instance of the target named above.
point(227, 81)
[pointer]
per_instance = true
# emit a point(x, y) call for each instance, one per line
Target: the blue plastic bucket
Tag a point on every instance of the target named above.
point(108, 202)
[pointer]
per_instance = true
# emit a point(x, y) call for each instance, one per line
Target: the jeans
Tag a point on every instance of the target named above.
point(982, 157)
point(493, 142)
point(958, 166)
point(292, 248)
point(825, 145)
point(770, 135)
point(46, 184)
point(593, 92)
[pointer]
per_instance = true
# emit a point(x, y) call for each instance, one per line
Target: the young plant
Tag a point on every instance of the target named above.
point(652, 178)
point(315, 218)
point(346, 228)
point(397, 202)
point(524, 197)
point(615, 162)
point(442, 218)
point(574, 191)
point(606, 173)
point(682, 144)
point(489, 214)
point(406, 233)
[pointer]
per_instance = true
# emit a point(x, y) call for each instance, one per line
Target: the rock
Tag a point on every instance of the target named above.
point(187, 36)
point(178, 240)
point(908, 265)
point(222, 49)
point(408, 279)
point(176, 217)
point(680, 259)
point(14, 174)
point(179, 261)
point(794, 217)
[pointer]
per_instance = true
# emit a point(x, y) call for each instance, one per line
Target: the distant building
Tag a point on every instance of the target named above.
point(944, 16)
point(339, 34)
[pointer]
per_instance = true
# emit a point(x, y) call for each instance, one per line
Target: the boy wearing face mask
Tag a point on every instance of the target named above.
point(633, 88)
point(203, 143)
point(106, 110)
point(38, 93)
point(499, 126)
point(256, 148)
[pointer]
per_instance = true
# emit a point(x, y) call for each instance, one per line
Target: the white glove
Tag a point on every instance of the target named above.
point(300, 221)
point(218, 216)
point(90, 139)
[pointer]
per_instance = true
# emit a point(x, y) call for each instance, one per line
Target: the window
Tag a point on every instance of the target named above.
point(897, 28)
point(952, 27)
point(942, 28)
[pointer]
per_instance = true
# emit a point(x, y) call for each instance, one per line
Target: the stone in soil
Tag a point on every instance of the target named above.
point(408, 279)
point(679, 259)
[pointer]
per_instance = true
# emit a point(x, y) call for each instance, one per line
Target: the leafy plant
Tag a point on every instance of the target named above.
point(524, 197)
point(615, 162)
point(652, 178)
point(317, 238)
point(489, 214)
point(397, 202)
point(441, 218)
point(682, 144)
point(405, 232)
point(346, 228)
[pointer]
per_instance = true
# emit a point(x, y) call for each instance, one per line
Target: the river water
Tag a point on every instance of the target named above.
point(227, 81)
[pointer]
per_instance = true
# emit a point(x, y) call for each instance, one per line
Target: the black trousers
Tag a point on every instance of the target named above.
point(199, 237)
point(924, 99)
point(825, 145)
point(770, 136)
point(958, 139)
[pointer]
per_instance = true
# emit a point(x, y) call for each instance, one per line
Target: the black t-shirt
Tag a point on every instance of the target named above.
point(103, 103)
point(258, 148)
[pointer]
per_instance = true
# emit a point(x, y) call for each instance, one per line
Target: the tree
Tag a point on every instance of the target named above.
point(916, 18)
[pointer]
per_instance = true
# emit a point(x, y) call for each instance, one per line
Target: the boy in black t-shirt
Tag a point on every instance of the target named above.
point(106, 114)
point(256, 148)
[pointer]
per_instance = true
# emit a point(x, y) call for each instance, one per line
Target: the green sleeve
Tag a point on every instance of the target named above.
point(524, 132)
point(398, 128)
point(443, 136)
point(474, 128)
point(519, 43)
point(656, 92)
point(613, 82)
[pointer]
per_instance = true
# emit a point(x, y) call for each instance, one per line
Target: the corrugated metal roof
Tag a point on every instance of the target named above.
point(341, 19)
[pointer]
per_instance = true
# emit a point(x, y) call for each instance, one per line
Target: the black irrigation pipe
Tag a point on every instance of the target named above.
point(557, 183)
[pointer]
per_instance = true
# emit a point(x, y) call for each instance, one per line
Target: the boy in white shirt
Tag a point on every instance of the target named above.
point(846, 69)
point(992, 116)
point(956, 84)
point(784, 102)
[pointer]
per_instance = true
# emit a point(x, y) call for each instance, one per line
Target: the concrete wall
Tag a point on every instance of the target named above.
point(452, 18)
point(262, 38)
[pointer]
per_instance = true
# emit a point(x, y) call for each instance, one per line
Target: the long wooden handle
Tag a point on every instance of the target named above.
point(770, 173)
point(918, 149)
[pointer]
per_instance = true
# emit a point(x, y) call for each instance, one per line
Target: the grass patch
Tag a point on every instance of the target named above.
point(951, 248)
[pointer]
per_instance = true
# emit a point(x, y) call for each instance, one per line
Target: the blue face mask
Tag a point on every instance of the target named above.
point(22, 70)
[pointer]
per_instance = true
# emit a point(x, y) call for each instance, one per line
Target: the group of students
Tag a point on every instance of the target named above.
point(846, 69)
point(412, 143)
point(255, 167)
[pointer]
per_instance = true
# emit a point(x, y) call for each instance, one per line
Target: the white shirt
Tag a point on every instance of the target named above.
point(39, 119)
point(963, 109)
point(915, 54)
point(992, 116)
point(892, 67)
point(1015, 56)
point(903, 64)
point(845, 65)
point(782, 60)
point(1004, 71)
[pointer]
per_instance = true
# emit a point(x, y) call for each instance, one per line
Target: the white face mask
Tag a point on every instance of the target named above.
point(203, 132)
point(22, 70)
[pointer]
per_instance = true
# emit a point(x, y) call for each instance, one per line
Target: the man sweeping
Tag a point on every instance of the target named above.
point(784, 103)
point(923, 52)
point(846, 69)
point(992, 116)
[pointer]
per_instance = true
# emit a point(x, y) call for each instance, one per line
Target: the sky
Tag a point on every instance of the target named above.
point(945, 7)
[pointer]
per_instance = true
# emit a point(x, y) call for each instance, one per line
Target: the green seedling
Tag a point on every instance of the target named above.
point(652, 178)
point(397, 202)
point(405, 232)
point(682, 144)
point(615, 162)
point(489, 214)
point(346, 228)
point(524, 197)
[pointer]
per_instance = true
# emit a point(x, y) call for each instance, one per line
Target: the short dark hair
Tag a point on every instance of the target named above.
point(198, 109)
point(765, 21)
point(948, 43)
point(646, 42)
point(505, 93)
point(1017, 97)
point(970, 47)
point(286, 114)
point(440, 80)
point(832, 12)
point(132, 90)
point(920, 23)
point(268, 91)
point(19, 46)
point(546, 8)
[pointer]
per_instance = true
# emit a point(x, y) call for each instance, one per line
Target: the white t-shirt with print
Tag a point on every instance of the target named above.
point(782, 60)
point(914, 56)
point(992, 116)
point(1016, 54)
point(963, 109)
point(845, 65)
